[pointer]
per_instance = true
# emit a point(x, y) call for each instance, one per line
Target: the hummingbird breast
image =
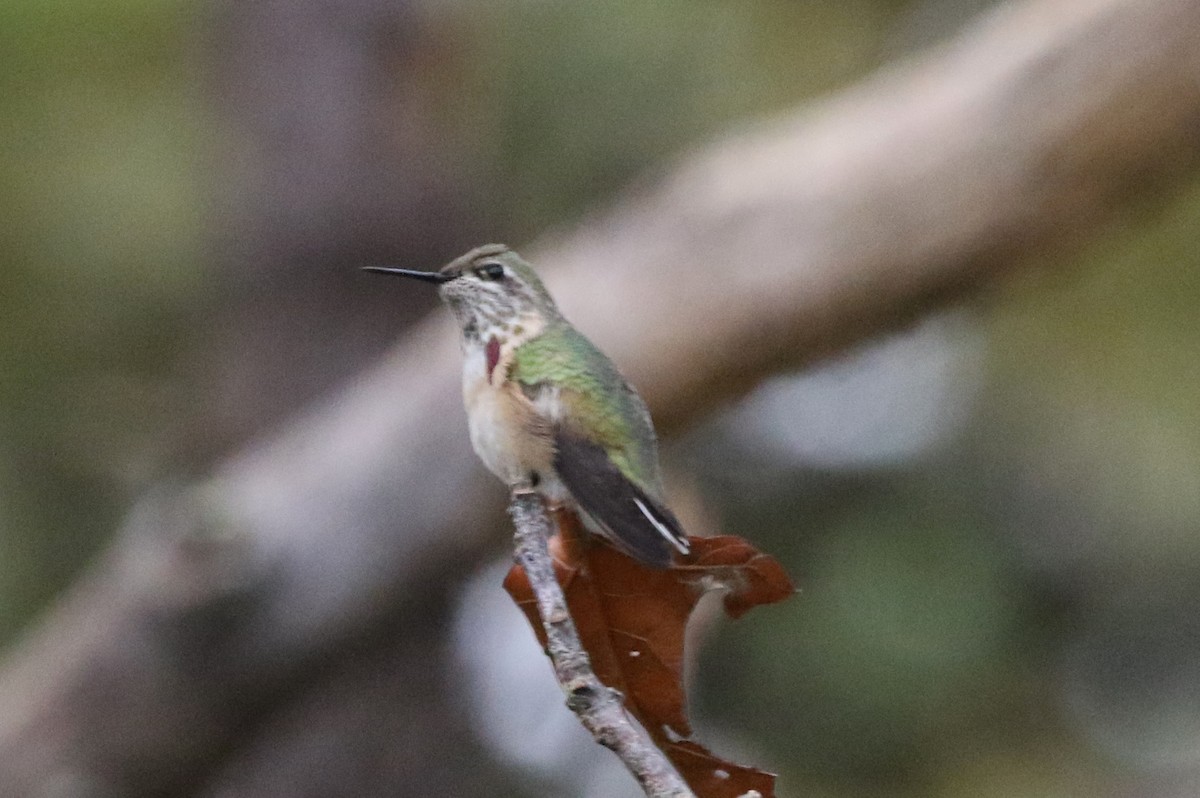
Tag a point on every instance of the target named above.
point(512, 434)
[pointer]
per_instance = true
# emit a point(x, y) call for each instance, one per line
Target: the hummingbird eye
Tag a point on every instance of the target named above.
point(490, 271)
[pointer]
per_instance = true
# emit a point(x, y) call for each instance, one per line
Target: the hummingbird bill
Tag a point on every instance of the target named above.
point(547, 409)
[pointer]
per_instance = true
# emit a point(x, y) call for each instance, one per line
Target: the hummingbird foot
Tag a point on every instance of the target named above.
point(530, 485)
point(522, 488)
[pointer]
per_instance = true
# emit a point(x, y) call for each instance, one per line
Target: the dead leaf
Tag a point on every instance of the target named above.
point(631, 620)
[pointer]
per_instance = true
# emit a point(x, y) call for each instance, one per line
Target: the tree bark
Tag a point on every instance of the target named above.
point(227, 600)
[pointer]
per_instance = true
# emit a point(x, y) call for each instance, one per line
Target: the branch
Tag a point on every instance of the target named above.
point(598, 707)
point(778, 245)
point(929, 182)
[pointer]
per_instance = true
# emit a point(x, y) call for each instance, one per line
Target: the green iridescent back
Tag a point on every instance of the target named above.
point(596, 399)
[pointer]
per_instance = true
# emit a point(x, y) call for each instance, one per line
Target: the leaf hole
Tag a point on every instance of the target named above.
point(671, 734)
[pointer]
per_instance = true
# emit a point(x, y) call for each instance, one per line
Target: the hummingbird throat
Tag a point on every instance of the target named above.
point(492, 352)
point(498, 340)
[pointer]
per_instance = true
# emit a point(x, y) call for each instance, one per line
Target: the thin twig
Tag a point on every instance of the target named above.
point(598, 707)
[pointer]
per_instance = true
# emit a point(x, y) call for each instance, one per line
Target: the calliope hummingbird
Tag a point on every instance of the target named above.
point(547, 409)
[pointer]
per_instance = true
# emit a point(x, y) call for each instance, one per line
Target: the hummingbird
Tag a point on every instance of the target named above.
point(549, 410)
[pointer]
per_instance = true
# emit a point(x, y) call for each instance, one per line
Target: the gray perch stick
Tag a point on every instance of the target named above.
point(598, 707)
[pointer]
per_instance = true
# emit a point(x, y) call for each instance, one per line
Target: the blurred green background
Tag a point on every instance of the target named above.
point(1004, 605)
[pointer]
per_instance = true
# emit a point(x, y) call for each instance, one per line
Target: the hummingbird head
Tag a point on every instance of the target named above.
point(490, 290)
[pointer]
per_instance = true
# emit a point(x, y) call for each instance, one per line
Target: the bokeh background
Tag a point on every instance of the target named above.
point(992, 515)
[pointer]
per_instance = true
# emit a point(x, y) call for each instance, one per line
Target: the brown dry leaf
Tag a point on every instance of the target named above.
point(631, 620)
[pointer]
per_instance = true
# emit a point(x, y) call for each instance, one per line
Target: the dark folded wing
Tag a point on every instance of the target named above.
point(634, 521)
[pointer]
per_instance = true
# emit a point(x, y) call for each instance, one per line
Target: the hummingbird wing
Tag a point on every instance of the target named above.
point(630, 518)
point(605, 451)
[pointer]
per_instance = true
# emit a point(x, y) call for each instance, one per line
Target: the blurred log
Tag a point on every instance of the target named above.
point(226, 601)
point(332, 158)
